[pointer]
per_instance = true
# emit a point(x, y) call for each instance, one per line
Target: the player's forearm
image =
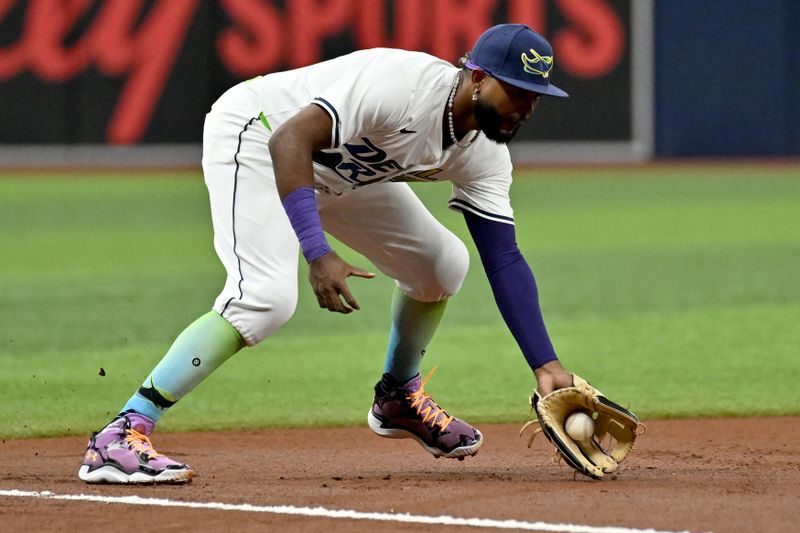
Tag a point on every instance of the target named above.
point(290, 149)
point(515, 292)
point(292, 145)
point(514, 288)
point(291, 160)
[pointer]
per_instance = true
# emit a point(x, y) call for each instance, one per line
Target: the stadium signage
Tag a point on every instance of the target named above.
point(139, 43)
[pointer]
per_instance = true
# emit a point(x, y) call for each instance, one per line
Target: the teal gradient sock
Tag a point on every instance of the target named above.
point(200, 349)
point(413, 326)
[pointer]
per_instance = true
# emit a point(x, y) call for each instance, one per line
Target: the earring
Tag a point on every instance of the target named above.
point(475, 95)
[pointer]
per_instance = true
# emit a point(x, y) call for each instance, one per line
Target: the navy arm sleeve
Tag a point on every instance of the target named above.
point(514, 287)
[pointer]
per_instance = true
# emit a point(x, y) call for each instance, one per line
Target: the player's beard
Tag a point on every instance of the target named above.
point(490, 122)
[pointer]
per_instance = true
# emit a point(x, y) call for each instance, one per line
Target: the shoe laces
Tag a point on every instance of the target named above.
point(427, 408)
point(139, 442)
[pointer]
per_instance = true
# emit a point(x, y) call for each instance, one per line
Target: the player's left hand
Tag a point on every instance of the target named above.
point(596, 447)
point(552, 376)
point(328, 274)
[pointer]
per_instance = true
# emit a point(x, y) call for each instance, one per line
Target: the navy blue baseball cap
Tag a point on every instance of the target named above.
point(517, 55)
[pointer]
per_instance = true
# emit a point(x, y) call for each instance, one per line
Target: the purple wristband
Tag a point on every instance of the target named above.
point(301, 206)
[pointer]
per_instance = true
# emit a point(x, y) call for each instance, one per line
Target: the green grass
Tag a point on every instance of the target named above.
point(676, 289)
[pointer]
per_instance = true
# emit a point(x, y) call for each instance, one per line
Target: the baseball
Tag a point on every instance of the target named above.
point(579, 426)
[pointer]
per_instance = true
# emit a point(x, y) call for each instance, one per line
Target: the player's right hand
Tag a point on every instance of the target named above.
point(328, 277)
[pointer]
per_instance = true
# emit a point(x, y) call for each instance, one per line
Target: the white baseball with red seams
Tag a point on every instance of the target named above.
point(580, 427)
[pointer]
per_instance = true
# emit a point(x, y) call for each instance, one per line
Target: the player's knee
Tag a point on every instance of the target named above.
point(255, 321)
point(442, 277)
point(452, 267)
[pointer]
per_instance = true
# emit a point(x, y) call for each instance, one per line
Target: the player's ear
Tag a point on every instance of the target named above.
point(477, 76)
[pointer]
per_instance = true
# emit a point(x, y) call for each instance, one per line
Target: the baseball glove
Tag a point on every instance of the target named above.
point(615, 428)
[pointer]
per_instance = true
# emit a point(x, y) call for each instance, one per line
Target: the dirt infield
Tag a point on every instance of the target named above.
point(696, 475)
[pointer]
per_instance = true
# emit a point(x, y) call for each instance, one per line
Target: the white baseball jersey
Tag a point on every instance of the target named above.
point(386, 107)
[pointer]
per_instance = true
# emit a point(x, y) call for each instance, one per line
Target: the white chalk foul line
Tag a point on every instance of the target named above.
point(331, 513)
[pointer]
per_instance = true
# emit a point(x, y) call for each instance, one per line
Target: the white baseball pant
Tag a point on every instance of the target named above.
point(385, 222)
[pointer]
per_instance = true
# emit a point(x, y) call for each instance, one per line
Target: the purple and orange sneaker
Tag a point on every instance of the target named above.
point(121, 452)
point(408, 412)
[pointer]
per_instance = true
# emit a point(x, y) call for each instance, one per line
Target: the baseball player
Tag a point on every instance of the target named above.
point(327, 148)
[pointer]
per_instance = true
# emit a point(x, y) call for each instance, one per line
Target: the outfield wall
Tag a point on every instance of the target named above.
point(727, 77)
point(85, 83)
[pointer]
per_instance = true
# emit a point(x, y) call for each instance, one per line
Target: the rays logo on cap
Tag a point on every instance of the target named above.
point(495, 53)
point(544, 64)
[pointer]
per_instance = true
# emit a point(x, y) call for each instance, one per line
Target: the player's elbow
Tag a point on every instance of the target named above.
point(307, 131)
point(278, 140)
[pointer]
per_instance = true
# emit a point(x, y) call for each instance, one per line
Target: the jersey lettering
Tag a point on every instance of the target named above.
point(351, 170)
point(367, 152)
point(367, 163)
